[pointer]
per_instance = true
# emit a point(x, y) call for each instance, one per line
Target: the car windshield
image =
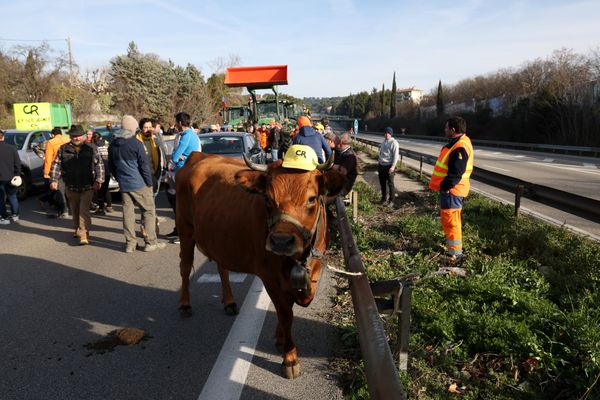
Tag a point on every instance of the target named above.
point(221, 144)
point(16, 139)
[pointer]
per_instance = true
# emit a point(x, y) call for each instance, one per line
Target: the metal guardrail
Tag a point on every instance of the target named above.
point(565, 201)
point(382, 376)
point(575, 150)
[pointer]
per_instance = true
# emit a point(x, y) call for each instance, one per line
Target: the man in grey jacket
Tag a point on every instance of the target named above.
point(389, 155)
point(130, 166)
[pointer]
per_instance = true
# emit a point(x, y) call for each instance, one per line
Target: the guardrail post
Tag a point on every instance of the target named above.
point(354, 206)
point(518, 194)
point(404, 322)
point(421, 167)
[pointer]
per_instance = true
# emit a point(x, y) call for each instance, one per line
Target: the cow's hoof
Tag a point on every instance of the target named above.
point(231, 309)
point(185, 311)
point(291, 371)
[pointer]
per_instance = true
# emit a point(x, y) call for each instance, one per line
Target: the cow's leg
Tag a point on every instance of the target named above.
point(283, 305)
point(186, 256)
point(227, 295)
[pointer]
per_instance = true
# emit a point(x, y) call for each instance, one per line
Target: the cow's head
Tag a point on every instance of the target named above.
point(294, 200)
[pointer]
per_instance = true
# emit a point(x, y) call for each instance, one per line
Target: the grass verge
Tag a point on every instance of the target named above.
point(523, 324)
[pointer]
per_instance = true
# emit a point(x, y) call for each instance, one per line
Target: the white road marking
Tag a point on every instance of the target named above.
point(500, 169)
point(573, 169)
point(228, 376)
point(588, 165)
point(234, 277)
point(548, 160)
point(496, 153)
point(519, 156)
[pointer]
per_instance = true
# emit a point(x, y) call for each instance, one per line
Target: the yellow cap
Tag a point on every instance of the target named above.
point(300, 156)
point(319, 127)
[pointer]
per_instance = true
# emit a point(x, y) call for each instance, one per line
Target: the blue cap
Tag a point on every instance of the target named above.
point(388, 130)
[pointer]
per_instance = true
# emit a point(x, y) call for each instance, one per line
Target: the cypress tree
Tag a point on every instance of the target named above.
point(383, 99)
point(439, 104)
point(393, 98)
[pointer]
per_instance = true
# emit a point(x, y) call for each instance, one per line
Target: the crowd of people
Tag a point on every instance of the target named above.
point(78, 166)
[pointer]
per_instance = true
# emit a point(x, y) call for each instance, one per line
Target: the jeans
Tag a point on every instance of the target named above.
point(386, 181)
point(10, 191)
point(274, 153)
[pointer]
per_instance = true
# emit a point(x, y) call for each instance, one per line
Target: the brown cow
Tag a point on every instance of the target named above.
point(268, 221)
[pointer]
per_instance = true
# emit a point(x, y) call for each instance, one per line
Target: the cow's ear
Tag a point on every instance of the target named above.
point(253, 181)
point(331, 183)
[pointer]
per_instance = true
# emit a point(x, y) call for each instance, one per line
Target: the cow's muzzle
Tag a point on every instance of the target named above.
point(282, 243)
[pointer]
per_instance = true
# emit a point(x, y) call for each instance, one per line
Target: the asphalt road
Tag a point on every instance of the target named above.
point(580, 175)
point(573, 174)
point(57, 298)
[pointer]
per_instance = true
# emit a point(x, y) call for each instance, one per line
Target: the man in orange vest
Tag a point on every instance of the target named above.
point(451, 177)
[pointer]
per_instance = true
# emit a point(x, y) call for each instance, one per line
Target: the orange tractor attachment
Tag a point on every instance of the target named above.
point(253, 78)
point(264, 77)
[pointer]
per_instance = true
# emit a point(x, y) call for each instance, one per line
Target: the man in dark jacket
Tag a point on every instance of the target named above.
point(345, 161)
point(130, 166)
point(81, 168)
point(10, 166)
point(308, 136)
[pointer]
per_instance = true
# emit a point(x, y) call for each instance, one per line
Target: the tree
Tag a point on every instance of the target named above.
point(145, 85)
point(393, 98)
point(439, 104)
point(383, 99)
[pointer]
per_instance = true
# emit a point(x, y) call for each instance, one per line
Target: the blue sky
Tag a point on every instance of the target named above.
point(332, 48)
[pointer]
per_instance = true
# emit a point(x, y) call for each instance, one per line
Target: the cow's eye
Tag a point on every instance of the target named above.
point(312, 200)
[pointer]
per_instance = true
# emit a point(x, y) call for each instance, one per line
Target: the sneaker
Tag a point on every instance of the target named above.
point(83, 240)
point(14, 218)
point(4, 221)
point(99, 211)
point(108, 209)
point(64, 215)
point(156, 246)
point(131, 248)
point(175, 240)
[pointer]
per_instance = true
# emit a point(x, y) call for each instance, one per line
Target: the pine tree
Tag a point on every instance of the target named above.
point(439, 105)
point(393, 98)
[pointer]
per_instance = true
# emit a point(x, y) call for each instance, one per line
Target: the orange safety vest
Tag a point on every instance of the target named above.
point(440, 170)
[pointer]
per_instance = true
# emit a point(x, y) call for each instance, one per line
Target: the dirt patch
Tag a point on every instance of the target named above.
point(124, 336)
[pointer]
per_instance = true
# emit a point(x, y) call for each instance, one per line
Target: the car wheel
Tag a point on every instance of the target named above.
point(25, 188)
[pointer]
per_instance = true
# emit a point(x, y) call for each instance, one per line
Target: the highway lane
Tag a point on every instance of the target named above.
point(56, 297)
point(547, 213)
point(573, 174)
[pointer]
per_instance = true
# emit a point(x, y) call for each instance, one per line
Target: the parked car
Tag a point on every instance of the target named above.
point(106, 134)
point(233, 144)
point(29, 145)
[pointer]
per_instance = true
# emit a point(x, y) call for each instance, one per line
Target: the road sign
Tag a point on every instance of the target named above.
point(356, 127)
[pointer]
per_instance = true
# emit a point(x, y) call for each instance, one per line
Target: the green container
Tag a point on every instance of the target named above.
point(32, 116)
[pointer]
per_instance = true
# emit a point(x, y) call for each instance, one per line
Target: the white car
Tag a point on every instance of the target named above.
point(29, 147)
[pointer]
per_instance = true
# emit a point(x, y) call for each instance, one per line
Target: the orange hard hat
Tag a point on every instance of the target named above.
point(304, 121)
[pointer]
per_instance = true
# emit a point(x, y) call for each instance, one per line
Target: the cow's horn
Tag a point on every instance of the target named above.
point(327, 164)
point(255, 167)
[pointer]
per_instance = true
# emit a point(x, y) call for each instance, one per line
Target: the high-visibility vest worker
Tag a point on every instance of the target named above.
point(451, 177)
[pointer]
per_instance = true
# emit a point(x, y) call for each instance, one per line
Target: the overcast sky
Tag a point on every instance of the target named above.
point(332, 48)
